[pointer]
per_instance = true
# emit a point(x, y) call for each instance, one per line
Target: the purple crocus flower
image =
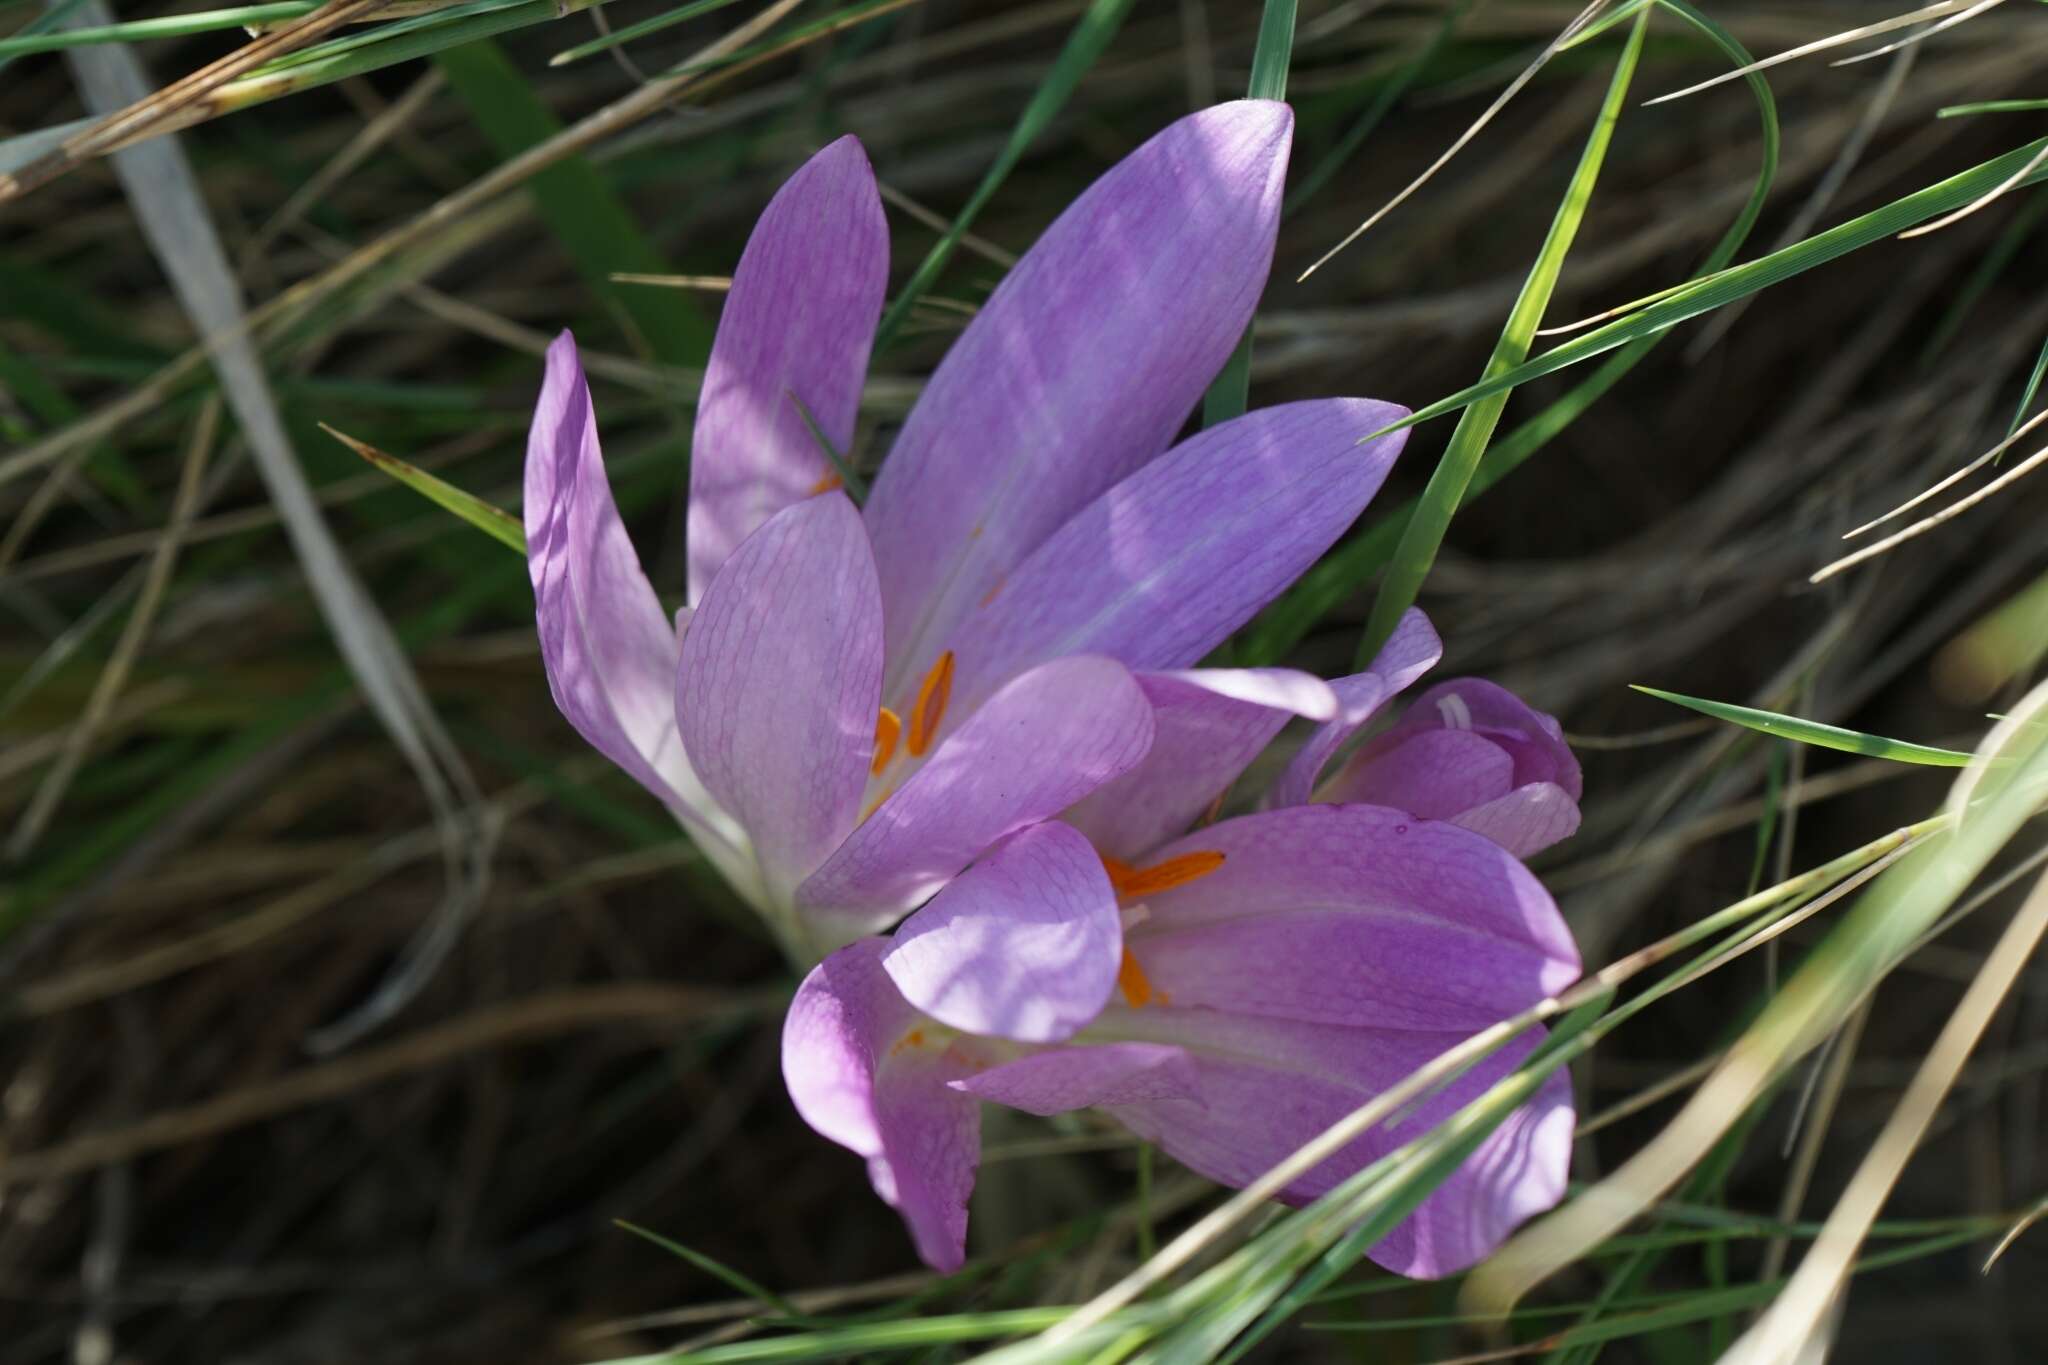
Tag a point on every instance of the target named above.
point(853, 707)
point(1270, 973)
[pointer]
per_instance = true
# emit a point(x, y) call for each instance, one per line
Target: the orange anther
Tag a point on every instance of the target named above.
point(930, 710)
point(1132, 883)
point(827, 484)
point(1135, 985)
point(887, 726)
point(912, 1039)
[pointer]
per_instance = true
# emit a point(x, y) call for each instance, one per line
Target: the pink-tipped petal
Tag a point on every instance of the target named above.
point(797, 325)
point(1029, 752)
point(1079, 369)
point(780, 678)
point(1024, 945)
point(866, 1075)
point(1211, 722)
point(608, 647)
point(1161, 568)
point(1061, 1079)
point(1355, 915)
point(1410, 651)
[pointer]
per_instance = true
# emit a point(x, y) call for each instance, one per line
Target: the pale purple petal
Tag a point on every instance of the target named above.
point(867, 1074)
point(1355, 915)
point(1410, 651)
point(1025, 944)
point(1436, 774)
point(1471, 751)
point(1211, 723)
point(1161, 568)
point(1534, 740)
point(1079, 368)
point(1029, 752)
point(609, 648)
point(1527, 820)
point(780, 678)
point(1065, 1078)
point(798, 319)
point(1269, 1086)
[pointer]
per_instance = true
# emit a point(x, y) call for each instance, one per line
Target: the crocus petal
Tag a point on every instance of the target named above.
point(1161, 568)
point(609, 649)
point(1533, 739)
point(797, 325)
point(1527, 820)
point(1024, 945)
point(1436, 774)
point(1212, 722)
point(1029, 752)
point(780, 678)
point(1354, 915)
point(865, 1074)
point(1269, 1086)
point(1410, 651)
point(1066, 1078)
point(1431, 764)
point(1079, 368)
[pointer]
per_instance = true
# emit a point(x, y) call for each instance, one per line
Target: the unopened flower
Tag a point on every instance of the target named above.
point(853, 707)
point(1267, 975)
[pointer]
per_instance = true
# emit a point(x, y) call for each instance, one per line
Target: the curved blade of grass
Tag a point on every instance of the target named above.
point(678, 15)
point(1339, 574)
point(1813, 732)
point(1737, 282)
point(494, 522)
point(1098, 24)
point(740, 1284)
point(31, 39)
point(1230, 392)
point(1417, 549)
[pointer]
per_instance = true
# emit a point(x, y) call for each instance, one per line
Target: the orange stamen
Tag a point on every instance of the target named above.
point(1135, 985)
point(1132, 883)
point(912, 1039)
point(887, 726)
point(827, 484)
point(930, 710)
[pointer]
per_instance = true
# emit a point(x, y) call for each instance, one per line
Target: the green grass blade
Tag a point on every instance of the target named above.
point(169, 26)
point(616, 37)
point(1813, 732)
point(1230, 392)
point(1739, 282)
point(579, 206)
point(1286, 622)
point(1991, 107)
point(1098, 24)
point(496, 523)
point(1417, 550)
point(743, 1285)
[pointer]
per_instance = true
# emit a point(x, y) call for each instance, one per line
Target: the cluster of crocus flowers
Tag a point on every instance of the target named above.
point(970, 710)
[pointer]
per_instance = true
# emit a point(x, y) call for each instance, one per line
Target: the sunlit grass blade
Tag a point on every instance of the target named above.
point(1353, 563)
point(680, 14)
point(168, 26)
point(1737, 282)
point(1897, 21)
point(1230, 392)
point(2007, 643)
point(1098, 24)
point(1416, 552)
point(1813, 732)
point(496, 523)
point(1991, 107)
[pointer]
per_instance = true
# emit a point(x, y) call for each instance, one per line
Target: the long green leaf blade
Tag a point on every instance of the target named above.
point(1813, 732)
